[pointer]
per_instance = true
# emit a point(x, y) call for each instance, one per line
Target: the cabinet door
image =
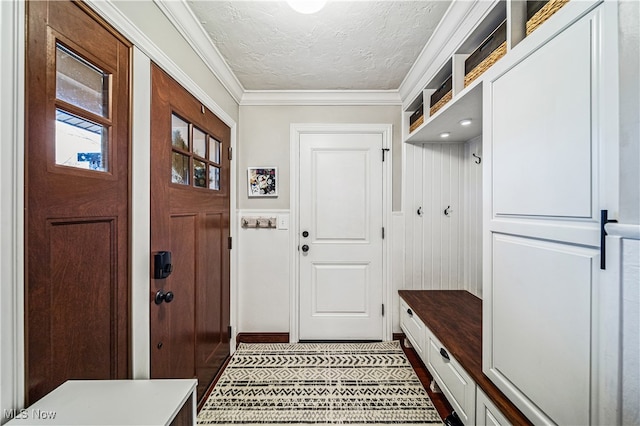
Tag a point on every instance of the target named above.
point(548, 120)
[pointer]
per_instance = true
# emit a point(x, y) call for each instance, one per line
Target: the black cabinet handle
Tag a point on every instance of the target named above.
point(604, 219)
point(444, 353)
point(409, 312)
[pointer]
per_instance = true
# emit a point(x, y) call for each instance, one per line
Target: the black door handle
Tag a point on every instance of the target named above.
point(604, 219)
point(305, 248)
point(161, 296)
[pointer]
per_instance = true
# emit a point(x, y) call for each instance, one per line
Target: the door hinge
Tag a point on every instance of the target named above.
point(384, 151)
point(383, 309)
point(383, 232)
point(230, 243)
point(230, 329)
point(230, 153)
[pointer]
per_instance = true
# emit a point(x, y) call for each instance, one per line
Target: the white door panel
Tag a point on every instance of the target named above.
point(341, 209)
point(541, 285)
point(542, 136)
point(339, 289)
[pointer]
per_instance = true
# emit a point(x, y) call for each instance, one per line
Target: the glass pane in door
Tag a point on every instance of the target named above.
point(80, 143)
point(180, 168)
point(80, 83)
point(199, 174)
point(179, 133)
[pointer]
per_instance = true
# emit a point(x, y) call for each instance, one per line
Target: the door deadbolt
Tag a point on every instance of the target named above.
point(161, 296)
point(305, 234)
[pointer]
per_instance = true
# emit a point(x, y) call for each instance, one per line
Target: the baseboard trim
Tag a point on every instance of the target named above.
point(262, 338)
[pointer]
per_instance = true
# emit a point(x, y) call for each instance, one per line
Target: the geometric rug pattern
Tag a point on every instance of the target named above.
point(319, 383)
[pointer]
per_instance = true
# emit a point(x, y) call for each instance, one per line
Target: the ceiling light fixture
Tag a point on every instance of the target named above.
point(306, 6)
point(465, 122)
point(445, 134)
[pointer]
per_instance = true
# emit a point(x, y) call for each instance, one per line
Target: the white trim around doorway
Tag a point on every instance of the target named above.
point(386, 131)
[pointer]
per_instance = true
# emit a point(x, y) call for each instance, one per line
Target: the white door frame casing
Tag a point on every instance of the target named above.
point(386, 131)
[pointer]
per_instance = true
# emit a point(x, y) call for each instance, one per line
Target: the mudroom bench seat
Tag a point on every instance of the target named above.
point(445, 329)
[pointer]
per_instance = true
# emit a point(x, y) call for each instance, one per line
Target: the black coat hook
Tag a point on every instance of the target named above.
point(478, 159)
point(446, 211)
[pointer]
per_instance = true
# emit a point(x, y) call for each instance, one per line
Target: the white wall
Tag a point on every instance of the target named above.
point(263, 255)
point(263, 276)
point(473, 217)
point(443, 252)
point(629, 42)
point(264, 141)
point(630, 331)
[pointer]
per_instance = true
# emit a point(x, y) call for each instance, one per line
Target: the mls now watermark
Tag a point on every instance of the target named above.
point(25, 414)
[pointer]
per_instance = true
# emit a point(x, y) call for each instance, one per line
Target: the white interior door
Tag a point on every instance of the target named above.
point(341, 256)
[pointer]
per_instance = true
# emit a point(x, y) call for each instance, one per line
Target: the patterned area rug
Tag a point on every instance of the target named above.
point(319, 383)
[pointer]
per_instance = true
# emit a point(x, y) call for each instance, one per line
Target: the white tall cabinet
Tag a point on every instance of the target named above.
point(550, 146)
point(548, 140)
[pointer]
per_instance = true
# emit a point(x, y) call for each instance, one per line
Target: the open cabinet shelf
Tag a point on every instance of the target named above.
point(501, 29)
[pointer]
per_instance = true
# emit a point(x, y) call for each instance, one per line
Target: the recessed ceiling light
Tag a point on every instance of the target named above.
point(445, 134)
point(307, 6)
point(465, 122)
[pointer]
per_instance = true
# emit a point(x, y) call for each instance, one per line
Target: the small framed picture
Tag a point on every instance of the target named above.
point(262, 181)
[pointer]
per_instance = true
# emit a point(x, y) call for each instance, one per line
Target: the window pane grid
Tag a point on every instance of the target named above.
point(196, 156)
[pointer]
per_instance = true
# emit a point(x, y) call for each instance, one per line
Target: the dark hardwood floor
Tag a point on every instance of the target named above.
point(438, 399)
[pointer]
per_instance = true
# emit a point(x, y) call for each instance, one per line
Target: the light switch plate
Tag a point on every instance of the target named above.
point(283, 221)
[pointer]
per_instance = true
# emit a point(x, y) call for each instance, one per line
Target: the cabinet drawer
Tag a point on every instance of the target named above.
point(487, 414)
point(456, 384)
point(413, 328)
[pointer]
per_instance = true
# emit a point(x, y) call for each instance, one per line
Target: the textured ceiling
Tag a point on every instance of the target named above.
point(348, 45)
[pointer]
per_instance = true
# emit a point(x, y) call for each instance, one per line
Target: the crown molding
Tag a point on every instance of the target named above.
point(321, 97)
point(183, 19)
point(115, 17)
point(455, 27)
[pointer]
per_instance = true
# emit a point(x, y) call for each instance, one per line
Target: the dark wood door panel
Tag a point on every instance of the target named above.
point(77, 236)
point(173, 344)
point(208, 258)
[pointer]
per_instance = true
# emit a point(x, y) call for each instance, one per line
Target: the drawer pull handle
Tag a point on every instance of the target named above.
point(409, 312)
point(444, 353)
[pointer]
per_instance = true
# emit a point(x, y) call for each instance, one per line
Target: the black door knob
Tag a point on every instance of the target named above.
point(161, 296)
point(305, 234)
point(305, 248)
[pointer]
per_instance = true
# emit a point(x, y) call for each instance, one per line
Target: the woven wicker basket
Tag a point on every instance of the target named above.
point(544, 13)
point(486, 64)
point(416, 124)
point(446, 98)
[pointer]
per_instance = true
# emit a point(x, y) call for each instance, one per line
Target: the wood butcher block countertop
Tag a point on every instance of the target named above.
point(455, 318)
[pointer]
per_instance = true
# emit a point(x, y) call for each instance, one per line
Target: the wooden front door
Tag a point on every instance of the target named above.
point(190, 219)
point(77, 198)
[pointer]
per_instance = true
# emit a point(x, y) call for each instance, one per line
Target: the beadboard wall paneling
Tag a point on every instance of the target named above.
point(443, 234)
point(263, 276)
point(434, 257)
point(413, 222)
point(397, 265)
point(473, 217)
